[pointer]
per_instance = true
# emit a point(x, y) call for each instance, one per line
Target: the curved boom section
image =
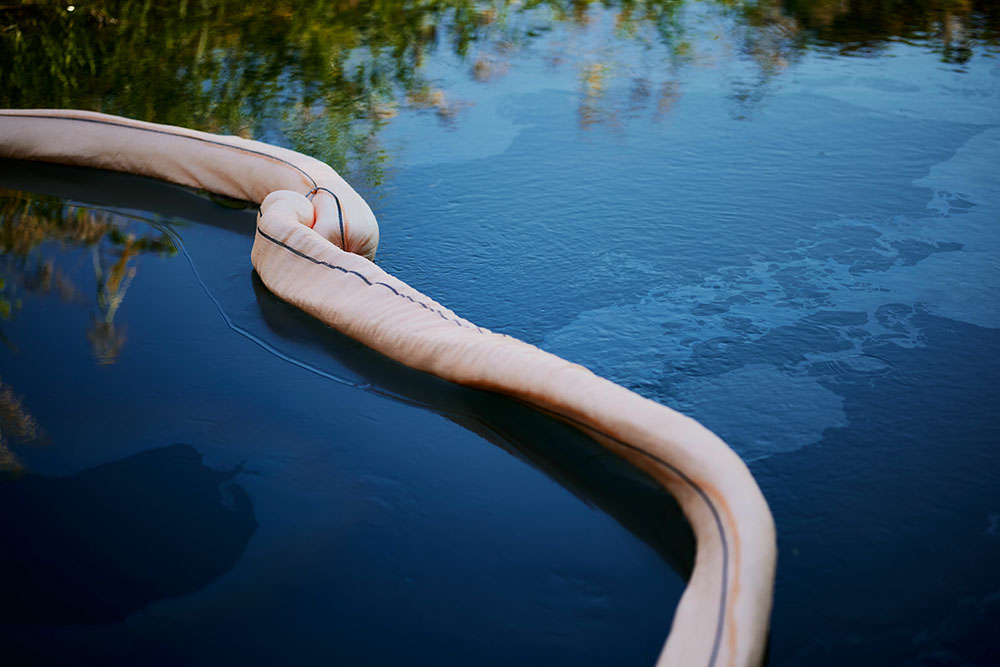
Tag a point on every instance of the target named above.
point(314, 242)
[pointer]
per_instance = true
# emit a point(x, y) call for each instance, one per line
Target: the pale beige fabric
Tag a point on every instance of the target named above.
point(723, 616)
point(226, 165)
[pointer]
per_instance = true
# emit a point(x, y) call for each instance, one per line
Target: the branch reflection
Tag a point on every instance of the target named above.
point(31, 263)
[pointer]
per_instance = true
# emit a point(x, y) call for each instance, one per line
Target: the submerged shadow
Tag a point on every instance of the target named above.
point(575, 461)
point(100, 545)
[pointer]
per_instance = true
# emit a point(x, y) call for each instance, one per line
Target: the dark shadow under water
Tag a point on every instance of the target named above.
point(575, 461)
point(97, 546)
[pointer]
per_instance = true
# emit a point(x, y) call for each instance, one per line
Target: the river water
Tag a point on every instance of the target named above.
point(779, 218)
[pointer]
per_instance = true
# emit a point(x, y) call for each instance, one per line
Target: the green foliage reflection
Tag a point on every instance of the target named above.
point(35, 235)
point(28, 227)
point(16, 424)
point(324, 77)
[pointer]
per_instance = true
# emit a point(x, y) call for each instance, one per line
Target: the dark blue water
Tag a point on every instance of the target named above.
point(782, 220)
point(239, 483)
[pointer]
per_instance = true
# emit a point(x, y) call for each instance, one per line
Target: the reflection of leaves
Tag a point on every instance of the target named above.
point(15, 423)
point(16, 420)
point(106, 340)
point(323, 76)
point(26, 224)
point(951, 27)
point(232, 66)
point(6, 306)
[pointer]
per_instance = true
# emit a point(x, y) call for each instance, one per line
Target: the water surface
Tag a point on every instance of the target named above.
point(778, 217)
point(204, 473)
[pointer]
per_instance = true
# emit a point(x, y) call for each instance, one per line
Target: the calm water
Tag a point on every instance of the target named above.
point(779, 218)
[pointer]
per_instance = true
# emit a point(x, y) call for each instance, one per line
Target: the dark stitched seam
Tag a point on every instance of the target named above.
point(100, 121)
point(364, 278)
point(340, 212)
point(720, 622)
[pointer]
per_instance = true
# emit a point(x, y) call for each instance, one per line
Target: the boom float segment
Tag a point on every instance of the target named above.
point(314, 243)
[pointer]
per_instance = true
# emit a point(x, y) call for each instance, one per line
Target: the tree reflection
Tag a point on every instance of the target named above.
point(953, 28)
point(33, 232)
point(324, 77)
point(16, 424)
point(28, 265)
